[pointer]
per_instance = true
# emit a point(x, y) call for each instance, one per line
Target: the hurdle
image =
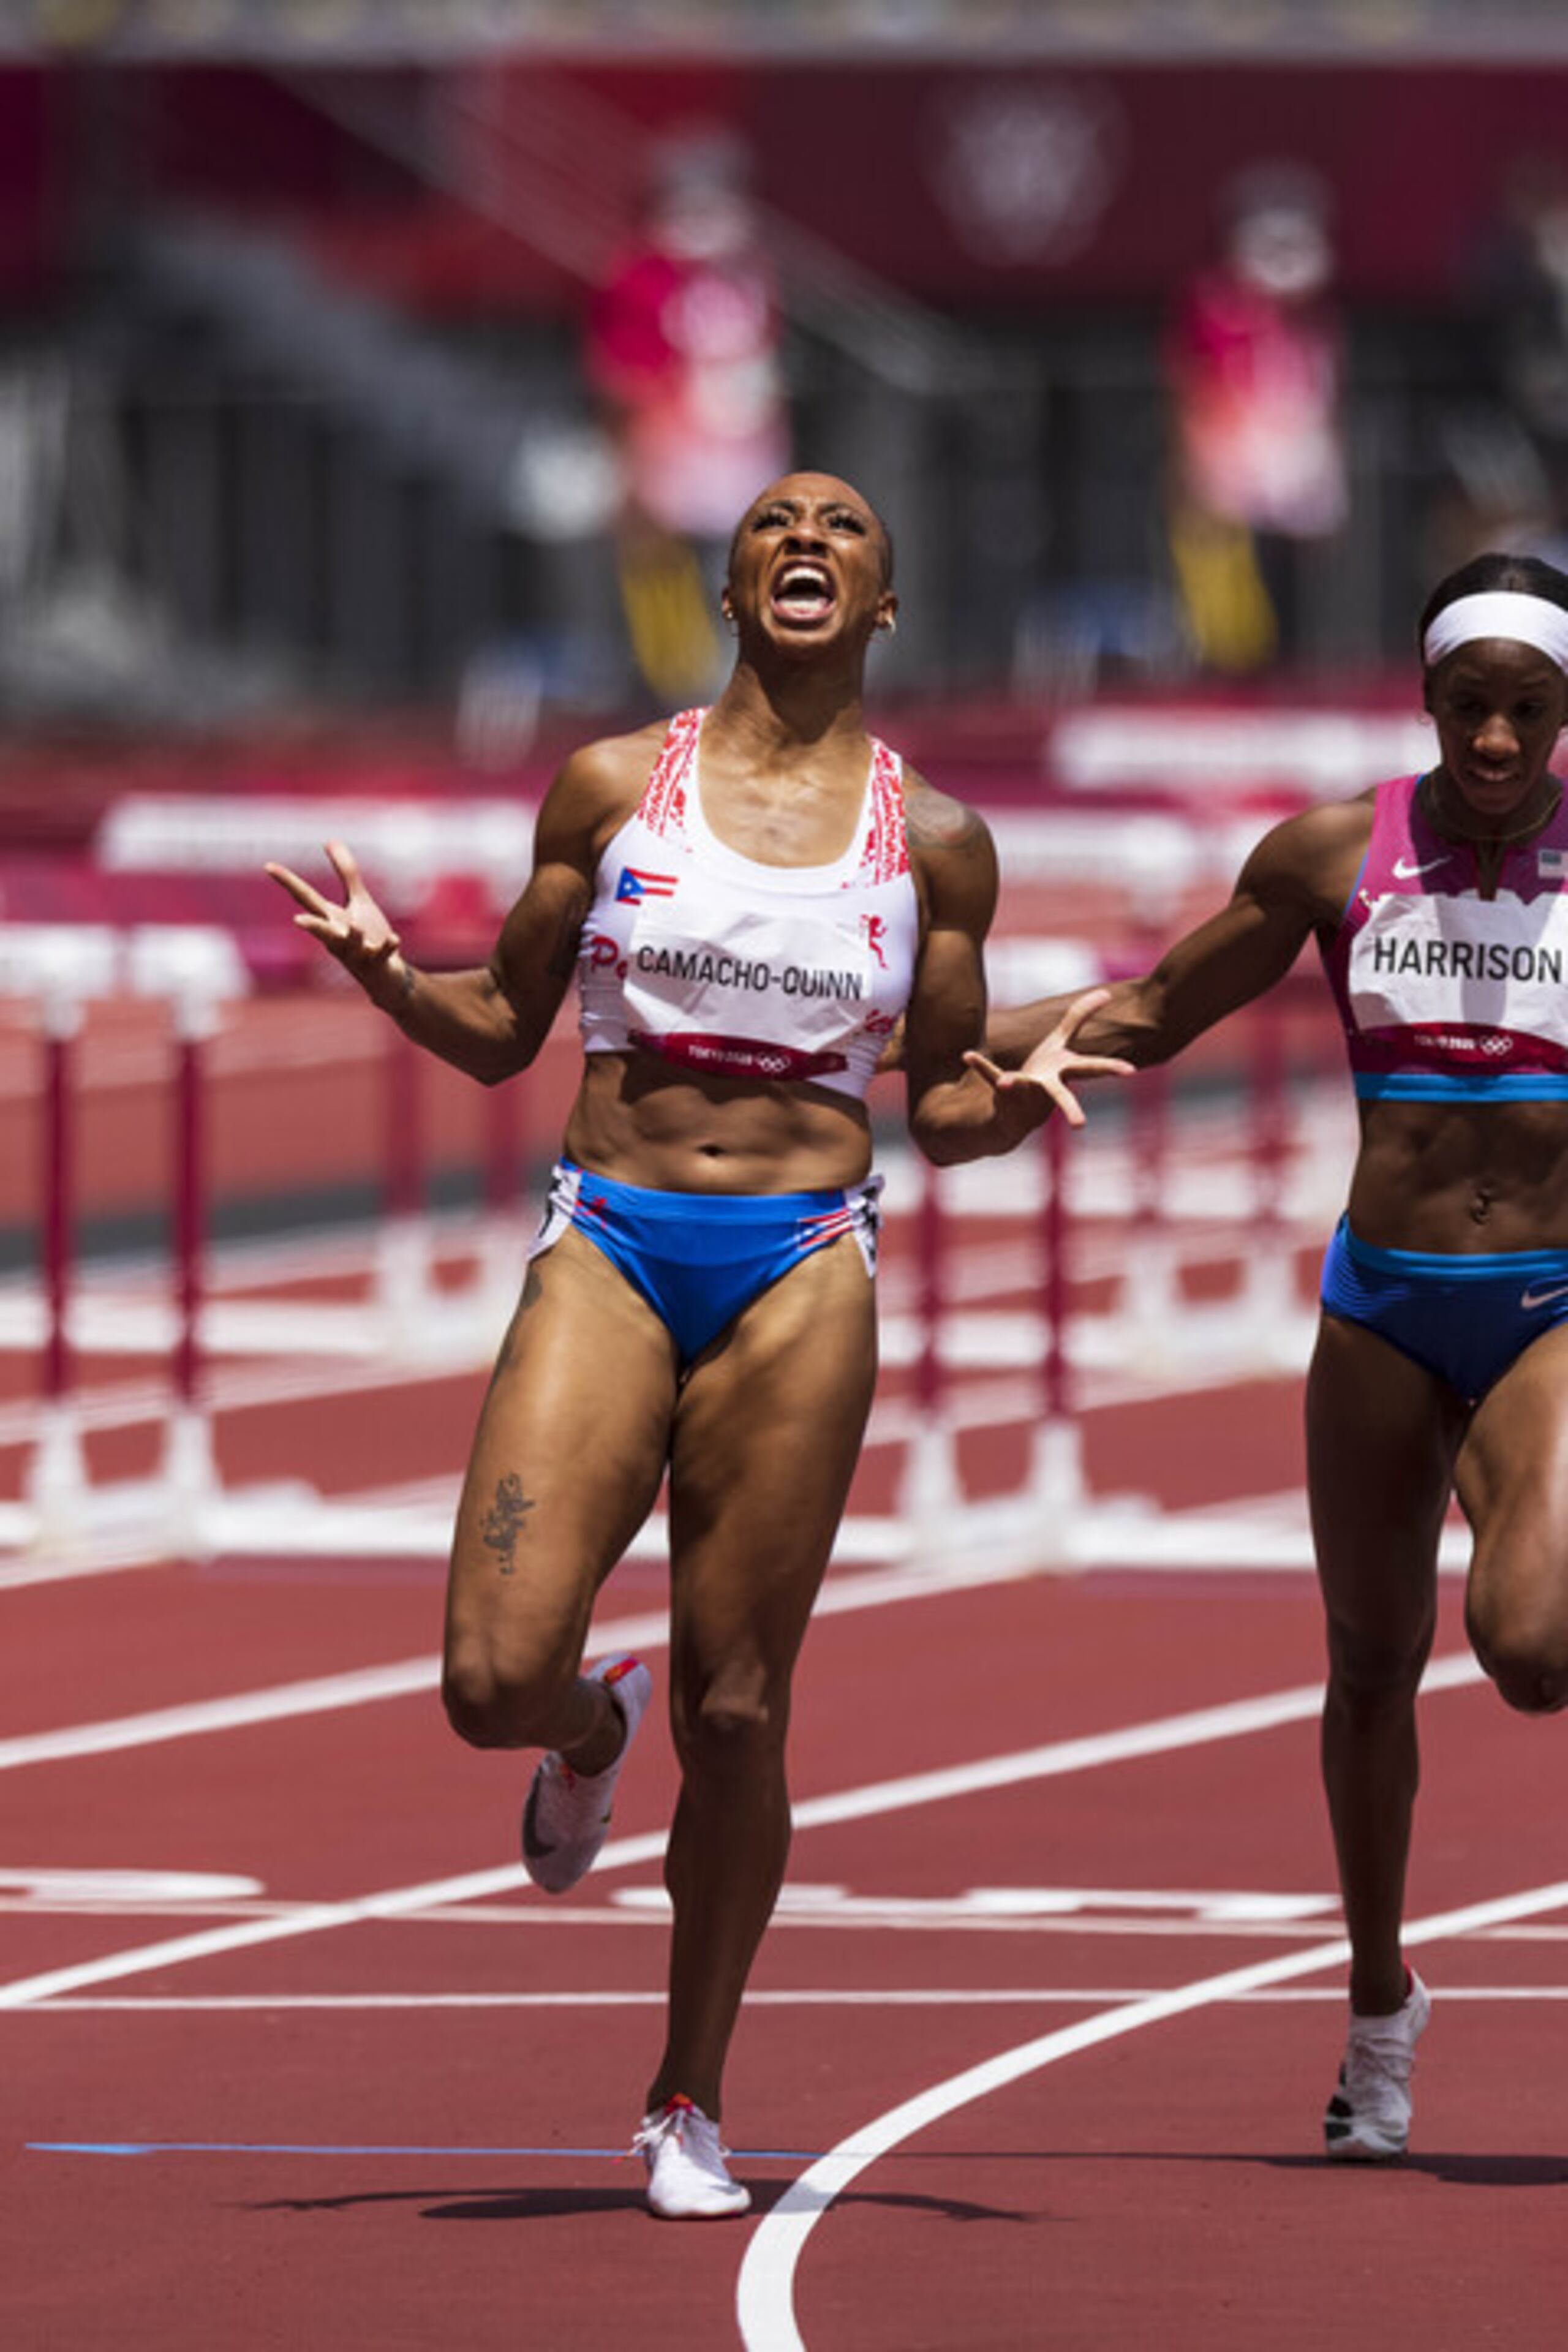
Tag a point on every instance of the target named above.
point(413, 1316)
point(1051, 1520)
point(182, 1510)
point(981, 1348)
point(195, 971)
point(59, 968)
point(1274, 1181)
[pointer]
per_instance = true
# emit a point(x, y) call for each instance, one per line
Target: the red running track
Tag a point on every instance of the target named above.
point(401, 2131)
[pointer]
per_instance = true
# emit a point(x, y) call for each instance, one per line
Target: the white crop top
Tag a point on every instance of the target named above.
point(718, 964)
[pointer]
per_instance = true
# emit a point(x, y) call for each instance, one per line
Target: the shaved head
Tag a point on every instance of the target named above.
point(811, 489)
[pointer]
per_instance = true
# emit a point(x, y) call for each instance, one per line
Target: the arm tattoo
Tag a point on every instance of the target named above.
point(934, 821)
point(504, 1519)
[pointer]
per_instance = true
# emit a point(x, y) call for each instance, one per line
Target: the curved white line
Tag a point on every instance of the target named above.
point(764, 2295)
point(1159, 1738)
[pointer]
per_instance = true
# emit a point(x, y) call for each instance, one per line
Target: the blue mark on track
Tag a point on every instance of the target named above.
point(282, 2147)
point(349, 2148)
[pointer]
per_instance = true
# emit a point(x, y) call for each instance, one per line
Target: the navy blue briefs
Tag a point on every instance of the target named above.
point(1465, 1318)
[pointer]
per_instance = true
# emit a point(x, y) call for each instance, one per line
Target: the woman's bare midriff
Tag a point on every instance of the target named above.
point(643, 1121)
point(1462, 1178)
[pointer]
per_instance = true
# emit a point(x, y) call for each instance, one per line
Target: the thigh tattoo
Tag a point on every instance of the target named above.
point(504, 1519)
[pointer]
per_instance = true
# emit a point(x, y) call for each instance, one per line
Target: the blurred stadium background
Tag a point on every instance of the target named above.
point(323, 507)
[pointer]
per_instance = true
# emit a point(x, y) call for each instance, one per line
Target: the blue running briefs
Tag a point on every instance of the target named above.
point(700, 1258)
point(1465, 1318)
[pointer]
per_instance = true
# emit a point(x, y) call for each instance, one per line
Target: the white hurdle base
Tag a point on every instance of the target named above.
point(181, 1512)
point(1050, 1527)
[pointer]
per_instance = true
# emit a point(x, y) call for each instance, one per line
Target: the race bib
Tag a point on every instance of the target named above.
point(1467, 962)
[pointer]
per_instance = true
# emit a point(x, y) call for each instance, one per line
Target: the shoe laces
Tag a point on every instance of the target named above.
point(679, 2119)
point(1379, 2051)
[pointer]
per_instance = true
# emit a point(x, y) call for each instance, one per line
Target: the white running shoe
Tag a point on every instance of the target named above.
point(688, 2179)
point(567, 1813)
point(1368, 2119)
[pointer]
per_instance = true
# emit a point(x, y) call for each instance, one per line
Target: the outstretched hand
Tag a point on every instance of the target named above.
point(1053, 1062)
point(358, 933)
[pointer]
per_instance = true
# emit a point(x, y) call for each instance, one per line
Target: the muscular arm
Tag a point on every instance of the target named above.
point(1294, 883)
point(491, 1020)
point(954, 1114)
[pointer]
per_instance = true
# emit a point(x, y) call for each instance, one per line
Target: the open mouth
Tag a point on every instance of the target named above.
point(804, 592)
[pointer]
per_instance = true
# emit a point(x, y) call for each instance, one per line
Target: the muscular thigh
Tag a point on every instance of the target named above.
point(1512, 1480)
point(1382, 1433)
point(767, 1435)
point(567, 1458)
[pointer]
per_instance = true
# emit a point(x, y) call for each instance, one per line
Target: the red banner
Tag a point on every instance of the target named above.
point(1000, 187)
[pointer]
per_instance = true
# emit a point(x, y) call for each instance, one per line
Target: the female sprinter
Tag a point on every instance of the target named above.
point(751, 899)
point(1440, 905)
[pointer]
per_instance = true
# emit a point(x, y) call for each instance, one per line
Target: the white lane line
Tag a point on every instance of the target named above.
point(411, 1677)
point(1160, 1737)
point(765, 2291)
point(50, 1889)
point(322, 1695)
point(391, 1903)
point(248, 2005)
point(830, 1997)
point(842, 1594)
point(233, 1388)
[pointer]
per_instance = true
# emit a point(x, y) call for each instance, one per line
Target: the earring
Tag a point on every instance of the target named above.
point(889, 628)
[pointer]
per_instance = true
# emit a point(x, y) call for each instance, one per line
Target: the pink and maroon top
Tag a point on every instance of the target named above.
point(1444, 993)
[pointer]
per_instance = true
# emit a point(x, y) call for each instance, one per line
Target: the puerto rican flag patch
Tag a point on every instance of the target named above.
point(637, 882)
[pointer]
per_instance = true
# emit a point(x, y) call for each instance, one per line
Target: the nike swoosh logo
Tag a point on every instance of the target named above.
point(1404, 873)
point(1528, 1299)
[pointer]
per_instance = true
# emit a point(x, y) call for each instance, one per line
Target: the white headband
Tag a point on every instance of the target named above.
point(1527, 620)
